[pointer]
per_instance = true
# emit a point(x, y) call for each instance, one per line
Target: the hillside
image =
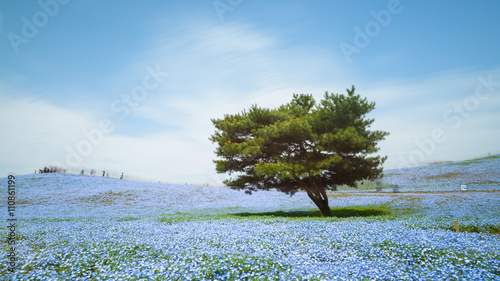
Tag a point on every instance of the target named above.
point(93, 228)
point(478, 174)
point(72, 194)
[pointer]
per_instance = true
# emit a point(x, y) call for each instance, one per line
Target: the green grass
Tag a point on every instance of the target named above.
point(487, 228)
point(103, 198)
point(445, 176)
point(372, 212)
point(44, 220)
point(177, 218)
point(486, 182)
point(473, 161)
point(31, 179)
point(128, 219)
point(347, 212)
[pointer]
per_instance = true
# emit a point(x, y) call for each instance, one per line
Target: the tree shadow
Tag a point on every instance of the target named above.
point(347, 212)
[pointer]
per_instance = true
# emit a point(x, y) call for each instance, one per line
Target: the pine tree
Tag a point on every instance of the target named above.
point(300, 146)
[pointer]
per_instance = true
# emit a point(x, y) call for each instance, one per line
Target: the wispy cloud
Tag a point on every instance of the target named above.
point(36, 131)
point(438, 102)
point(223, 68)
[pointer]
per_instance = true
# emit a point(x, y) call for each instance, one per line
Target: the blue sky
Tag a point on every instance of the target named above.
point(158, 71)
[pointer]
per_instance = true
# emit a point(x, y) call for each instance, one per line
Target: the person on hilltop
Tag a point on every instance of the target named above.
point(103, 172)
point(121, 177)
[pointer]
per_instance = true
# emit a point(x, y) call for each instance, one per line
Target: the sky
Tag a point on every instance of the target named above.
point(132, 86)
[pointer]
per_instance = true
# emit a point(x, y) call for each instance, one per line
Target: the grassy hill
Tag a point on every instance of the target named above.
point(92, 228)
point(482, 174)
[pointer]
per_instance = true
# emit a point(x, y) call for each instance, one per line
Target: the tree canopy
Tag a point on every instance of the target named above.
point(302, 145)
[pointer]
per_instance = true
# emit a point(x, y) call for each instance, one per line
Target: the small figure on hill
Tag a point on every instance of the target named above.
point(103, 172)
point(82, 172)
point(121, 177)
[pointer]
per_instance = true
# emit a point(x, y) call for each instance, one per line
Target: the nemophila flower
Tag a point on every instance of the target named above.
point(477, 175)
point(81, 236)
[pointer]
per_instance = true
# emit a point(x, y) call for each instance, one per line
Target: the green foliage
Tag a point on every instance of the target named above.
point(299, 144)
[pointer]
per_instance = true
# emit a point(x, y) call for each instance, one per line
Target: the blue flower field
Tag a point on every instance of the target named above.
point(92, 228)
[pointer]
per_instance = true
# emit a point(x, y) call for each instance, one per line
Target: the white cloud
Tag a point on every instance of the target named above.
point(219, 69)
point(430, 99)
point(37, 133)
point(34, 132)
point(232, 39)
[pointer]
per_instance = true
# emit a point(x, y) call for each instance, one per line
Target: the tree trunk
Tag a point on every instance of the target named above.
point(317, 195)
point(321, 200)
point(325, 209)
